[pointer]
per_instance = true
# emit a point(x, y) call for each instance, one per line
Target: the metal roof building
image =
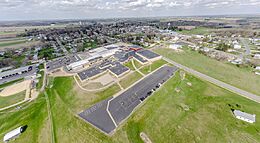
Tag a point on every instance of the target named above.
point(250, 118)
point(13, 134)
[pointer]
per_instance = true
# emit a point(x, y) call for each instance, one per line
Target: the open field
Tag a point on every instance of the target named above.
point(155, 65)
point(40, 83)
point(12, 99)
point(197, 31)
point(130, 79)
point(11, 43)
point(18, 44)
point(242, 78)
point(33, 115)
point(167, 116)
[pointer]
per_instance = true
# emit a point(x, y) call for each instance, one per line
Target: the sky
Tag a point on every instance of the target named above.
point(88, 9)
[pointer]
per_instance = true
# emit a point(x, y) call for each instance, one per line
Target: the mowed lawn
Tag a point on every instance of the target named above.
point(9, 100)
point(242, 78)
point(200, 113)
point(130, 79)
point(33, 115)
point(151, 67)
point(40, 80)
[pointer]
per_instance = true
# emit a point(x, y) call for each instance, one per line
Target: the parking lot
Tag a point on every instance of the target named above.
point(108, 114)
point(19, 73)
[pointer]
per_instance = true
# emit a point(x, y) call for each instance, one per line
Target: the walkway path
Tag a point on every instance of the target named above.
point(137, 68)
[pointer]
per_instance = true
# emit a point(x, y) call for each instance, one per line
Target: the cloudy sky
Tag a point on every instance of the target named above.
point(84, 9)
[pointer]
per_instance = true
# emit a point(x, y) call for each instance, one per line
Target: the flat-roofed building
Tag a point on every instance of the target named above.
point(250, 118)
point(148, 55)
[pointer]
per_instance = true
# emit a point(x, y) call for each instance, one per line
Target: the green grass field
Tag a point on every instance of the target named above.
point(155, 65)
point(137, 64)
point(200, 113)
point(9, 32)
point(40, 83)
point(197, 31)
point(34, 115)
point(129, 65)
point(242, 78)
point(10, 43)
point(9, 100)
point(130, 79)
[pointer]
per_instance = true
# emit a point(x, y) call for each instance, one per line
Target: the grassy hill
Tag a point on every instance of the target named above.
point(201, 113)
point(242, 78)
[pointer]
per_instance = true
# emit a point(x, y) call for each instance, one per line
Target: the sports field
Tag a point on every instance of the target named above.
point(168, 116)
point(242, 78)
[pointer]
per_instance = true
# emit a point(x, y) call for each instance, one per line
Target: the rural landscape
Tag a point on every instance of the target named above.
point(142, 79)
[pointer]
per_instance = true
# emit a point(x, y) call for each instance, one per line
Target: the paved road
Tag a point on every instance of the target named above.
point(19, 76)
point(229, 87)
point(245, 43)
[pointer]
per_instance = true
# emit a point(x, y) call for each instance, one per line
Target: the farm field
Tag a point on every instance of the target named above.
point(198, 31)
point(10, 43)
point(242, 78)
point(169, 115)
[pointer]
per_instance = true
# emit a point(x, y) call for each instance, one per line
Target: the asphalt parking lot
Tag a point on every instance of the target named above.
point(108, 114)
point(32, 72)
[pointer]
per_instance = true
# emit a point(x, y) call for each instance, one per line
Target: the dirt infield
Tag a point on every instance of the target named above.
point(16, 88)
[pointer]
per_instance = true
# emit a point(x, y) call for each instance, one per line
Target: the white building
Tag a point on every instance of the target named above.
point(237, 61)
point(237, 46)
point(257, 56)
point(13, 134)
point(257, 70)
point(200, 36)
point(102, 52)
point(250, 118)
point(175, 46)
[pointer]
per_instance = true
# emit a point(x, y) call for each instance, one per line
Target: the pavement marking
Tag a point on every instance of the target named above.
point(110, 115)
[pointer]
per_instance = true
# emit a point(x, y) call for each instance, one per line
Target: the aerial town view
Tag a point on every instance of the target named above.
point(130, 71)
